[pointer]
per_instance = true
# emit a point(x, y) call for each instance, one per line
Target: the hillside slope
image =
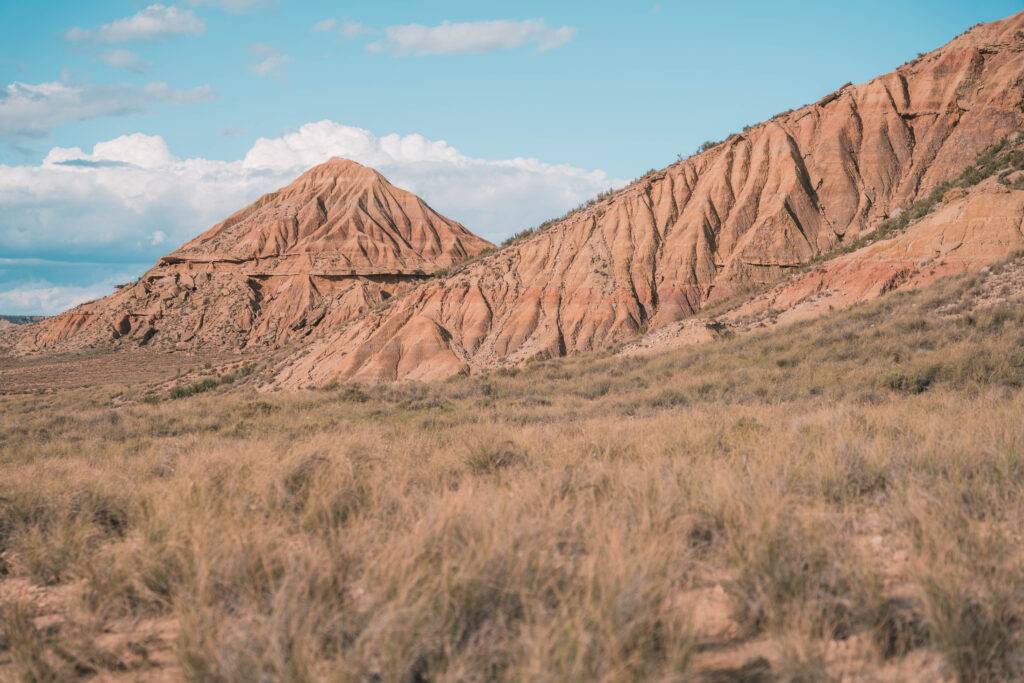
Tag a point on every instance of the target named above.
point(835, 501)
point(741, 214)
point(966, 234)
point(336, 242)
point(976, 221)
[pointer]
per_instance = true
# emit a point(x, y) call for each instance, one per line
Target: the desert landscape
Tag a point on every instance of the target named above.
point(754, 416)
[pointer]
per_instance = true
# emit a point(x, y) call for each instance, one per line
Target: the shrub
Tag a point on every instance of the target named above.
point(486, 458)
point(913, 380)
point(19, 636)
point(669, 398)
point(900, 627)
point(210, 383)
point(790, 568)
point(194, 388)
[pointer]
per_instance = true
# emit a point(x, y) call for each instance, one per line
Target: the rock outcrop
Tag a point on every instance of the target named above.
point(970, 230)
point(337, 242)
point(741, 214)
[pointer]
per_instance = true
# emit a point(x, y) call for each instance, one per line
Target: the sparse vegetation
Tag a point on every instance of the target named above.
point(708, 144)
point(1005, 156)
point(519, 236)
point(528, 232)
point(208, 383)
point(851, 483)
point(458, 267)
point(194, 388)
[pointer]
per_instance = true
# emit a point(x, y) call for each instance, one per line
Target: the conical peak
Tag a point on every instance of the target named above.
point(348, 216)
point(339, 167)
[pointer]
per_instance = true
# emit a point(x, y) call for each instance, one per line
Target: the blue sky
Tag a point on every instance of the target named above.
point(504, 116)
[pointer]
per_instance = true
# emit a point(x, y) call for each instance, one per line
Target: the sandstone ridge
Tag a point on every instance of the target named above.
point(742, 214)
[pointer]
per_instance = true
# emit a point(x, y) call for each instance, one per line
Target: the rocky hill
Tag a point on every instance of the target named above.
point(966, 227)
point(735, 217)
point(335, 243)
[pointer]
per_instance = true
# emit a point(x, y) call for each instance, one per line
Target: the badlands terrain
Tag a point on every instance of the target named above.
point(756, 416)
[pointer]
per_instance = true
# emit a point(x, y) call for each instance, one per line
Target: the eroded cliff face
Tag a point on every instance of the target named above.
point(334, 244)
point(741, 214)
point(969, 231)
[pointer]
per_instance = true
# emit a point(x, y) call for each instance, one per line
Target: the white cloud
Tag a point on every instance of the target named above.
point(41, 297)
point(271, 61)
point(352, 29)
point(345, 28)
point(464, 37)
point(162, 91)
point(131, 199)
point(325, 25)
point(144, 151)
point(317, 142)
point(155, 22)
point(32, 110)
point(124, 59)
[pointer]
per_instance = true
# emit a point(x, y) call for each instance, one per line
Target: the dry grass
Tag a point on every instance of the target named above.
point(851, 483)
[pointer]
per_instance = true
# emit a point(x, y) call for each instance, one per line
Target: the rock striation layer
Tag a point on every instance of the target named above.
point(334, 244)
point(969, 231)
point(739, 215)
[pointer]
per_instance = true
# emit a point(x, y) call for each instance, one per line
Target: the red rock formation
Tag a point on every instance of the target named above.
point(740, 214)
point(332, 245)
point(971, 230)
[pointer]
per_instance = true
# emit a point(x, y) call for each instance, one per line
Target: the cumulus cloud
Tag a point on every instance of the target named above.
point(463, 37)
point(271, 61)
point(144, 151)
point(39, 286)
point(108, 203)
point(317, 142)
point(155, 22)
point(33, 110)
point(42, 297)
point(126, 60)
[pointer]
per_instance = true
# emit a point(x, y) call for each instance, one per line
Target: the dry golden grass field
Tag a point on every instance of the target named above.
point(837, 499)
